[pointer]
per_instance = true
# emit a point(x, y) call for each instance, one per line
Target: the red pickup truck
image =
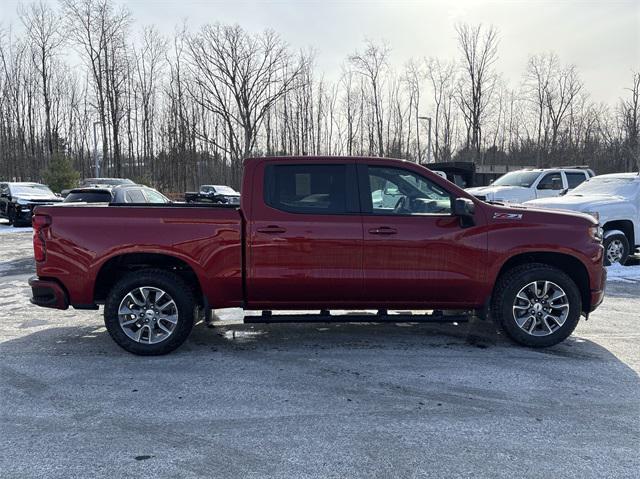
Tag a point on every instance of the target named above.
point(321, 233)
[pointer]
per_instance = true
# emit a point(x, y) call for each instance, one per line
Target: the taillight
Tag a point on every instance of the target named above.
point(39, 222)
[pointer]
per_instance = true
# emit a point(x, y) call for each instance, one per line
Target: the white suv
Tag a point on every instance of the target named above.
point(524, 185)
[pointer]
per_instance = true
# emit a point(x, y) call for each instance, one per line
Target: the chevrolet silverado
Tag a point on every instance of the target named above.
point(320, 233)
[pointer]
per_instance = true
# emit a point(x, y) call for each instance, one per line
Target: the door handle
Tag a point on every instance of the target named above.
point(383, 230)
point(272, 229)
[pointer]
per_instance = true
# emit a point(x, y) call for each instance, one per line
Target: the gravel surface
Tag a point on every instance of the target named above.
point(314, 400)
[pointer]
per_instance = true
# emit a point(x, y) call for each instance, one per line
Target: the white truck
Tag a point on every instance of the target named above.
point(614, 200)
point(523, 185)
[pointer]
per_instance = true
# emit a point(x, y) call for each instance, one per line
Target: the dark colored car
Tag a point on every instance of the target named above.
point(219, 194)
point(119, 194)
point(17, 201)
point(309, 236)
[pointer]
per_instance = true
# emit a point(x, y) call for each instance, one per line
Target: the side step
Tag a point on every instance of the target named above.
point(381, 317)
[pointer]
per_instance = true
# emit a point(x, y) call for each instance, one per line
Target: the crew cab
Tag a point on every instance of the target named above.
point(310, 236)
point(614, 200)
point(523, 185)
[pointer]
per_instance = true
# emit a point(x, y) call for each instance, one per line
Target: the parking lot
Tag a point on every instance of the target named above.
point(314, 400)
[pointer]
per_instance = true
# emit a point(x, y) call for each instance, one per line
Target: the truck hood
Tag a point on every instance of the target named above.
point(578, 202)
point(37, 198)
point(498, 193)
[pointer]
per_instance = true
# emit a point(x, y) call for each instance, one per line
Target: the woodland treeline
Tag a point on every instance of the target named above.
point(176, 111)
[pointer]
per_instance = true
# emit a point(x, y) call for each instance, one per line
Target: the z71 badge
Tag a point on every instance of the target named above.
point(507, 216)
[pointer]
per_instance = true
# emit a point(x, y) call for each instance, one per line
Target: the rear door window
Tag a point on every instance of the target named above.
point(135, 196)
point(311, 188)
point(575, 178)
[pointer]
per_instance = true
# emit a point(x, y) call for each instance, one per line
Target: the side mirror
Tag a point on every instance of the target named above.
point(556, 184)
point(464, 209)
point(4, 195)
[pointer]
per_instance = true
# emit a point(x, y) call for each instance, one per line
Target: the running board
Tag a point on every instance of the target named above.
point(268, 317)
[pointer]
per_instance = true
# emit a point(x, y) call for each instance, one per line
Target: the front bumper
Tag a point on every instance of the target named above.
point(598, 295)
point(48, 293)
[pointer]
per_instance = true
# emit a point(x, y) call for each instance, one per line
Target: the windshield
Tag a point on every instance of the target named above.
point(225, 190)
point(607, 186)
point(88, 197)
point(517, 178)
point(35, 190)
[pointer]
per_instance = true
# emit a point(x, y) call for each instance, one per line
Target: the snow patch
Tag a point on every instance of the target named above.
point(5, 229)
point(623, 274)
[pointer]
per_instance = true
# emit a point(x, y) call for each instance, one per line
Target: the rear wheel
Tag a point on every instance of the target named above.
point(537, 305)
point(616, 249)
point(150, 312)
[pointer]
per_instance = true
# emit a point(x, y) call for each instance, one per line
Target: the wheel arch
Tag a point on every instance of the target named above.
point(570, 265)
point(625, 226)
point(114, 268)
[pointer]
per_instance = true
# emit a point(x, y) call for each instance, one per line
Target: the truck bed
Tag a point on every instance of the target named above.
point(85, 241)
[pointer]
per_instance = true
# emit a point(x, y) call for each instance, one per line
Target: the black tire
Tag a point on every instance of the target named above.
point(167, 281)
point(620, 240)
point(11, 215)
point(504, 298)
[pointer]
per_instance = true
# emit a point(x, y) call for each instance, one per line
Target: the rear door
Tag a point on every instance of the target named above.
point(304, 235)
point(415, 250)
point(575, 178)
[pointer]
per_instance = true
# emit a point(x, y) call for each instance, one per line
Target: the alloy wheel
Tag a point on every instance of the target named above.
point(148, 315)
point(540, 308)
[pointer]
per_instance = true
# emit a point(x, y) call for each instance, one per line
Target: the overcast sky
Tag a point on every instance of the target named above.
point(602, 38)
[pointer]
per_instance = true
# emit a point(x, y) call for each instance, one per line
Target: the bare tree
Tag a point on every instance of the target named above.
point(561, 92)
point(372, 63)
point(538, 76)
point(42, 26)
point(442, 77)
point(630, 112)
point(239, 77)
point(479, 49)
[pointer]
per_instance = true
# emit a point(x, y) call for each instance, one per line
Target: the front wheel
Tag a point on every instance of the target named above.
point(536, 305)
point(616, 249)
point(11, 215)
point(150, 312)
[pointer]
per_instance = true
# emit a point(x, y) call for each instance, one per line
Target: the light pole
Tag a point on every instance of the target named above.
point(428, 118)
point(96, 162)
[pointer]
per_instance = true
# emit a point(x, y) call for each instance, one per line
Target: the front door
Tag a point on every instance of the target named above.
point(305, 236)
point(416, 253)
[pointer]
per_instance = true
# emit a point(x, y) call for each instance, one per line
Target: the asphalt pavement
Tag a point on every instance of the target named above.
point(314, 400)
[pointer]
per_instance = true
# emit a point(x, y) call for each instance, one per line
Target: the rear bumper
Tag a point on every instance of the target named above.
point(48, 293)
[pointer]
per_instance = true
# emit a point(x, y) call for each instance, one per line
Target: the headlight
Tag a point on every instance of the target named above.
point(595, 214)
point(595, 232)
point(22, 202)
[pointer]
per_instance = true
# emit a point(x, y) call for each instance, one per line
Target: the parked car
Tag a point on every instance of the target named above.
point(119, 194)
point(305, 238)
point(615, 201)
point(100, 183)
point(523, 185)
point(214, 194)
point(17, 201)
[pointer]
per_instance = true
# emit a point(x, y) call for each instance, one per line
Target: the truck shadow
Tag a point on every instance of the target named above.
point(476, 338)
